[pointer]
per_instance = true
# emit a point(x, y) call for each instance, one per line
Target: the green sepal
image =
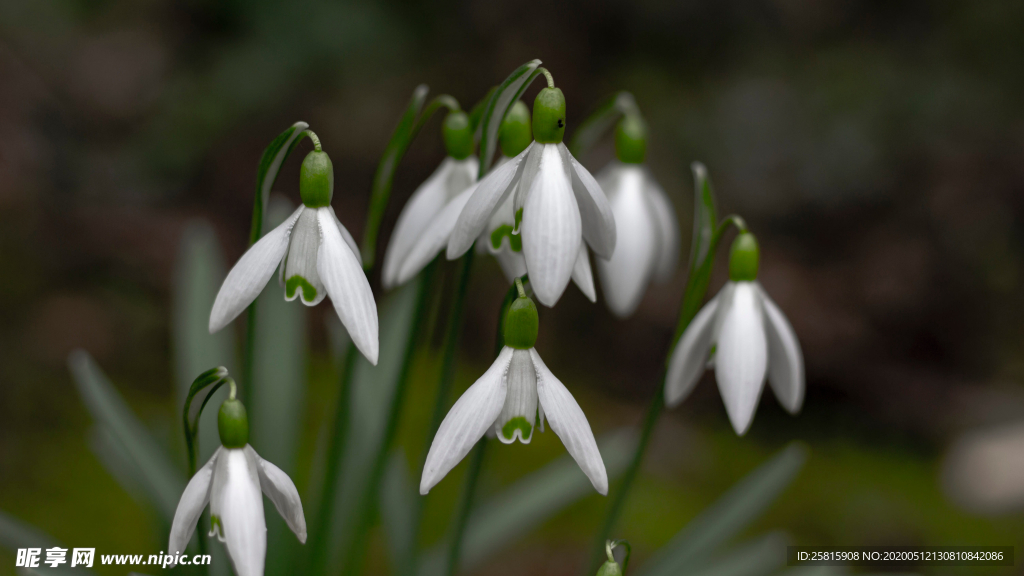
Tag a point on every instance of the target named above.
point(458, 135)
point(521, 324)
point(744, 257)
point(515, 133)
point(631, 140)
point(549, 116)
point(316, 180)
point(233, 424)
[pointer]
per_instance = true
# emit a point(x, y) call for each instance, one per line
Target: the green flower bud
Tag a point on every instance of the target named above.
point(610, 568)
point(515, 134)
point(458, 135)
point(743, 258)
point(549, 116)
point(233, 424)
point(316, 180)
point(521, 324)
point(631, 140)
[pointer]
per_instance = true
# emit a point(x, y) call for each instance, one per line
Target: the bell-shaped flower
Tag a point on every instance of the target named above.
point(233, 482)
point(416, 231)
point(647, 234)
point(513, 398)
point(562, 207)
point(317, 257)
point(745, 336)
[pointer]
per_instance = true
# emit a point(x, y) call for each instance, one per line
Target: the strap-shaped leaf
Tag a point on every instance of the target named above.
point(397, 506)
point(705, 215)
point(212, 377)
point(591, 129)
point(733, 512)
point(478, 112)
point(161, 480)
point(760, 557)
point(270, 164)
point(504, 96)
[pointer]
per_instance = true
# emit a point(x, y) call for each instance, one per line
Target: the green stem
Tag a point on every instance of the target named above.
point(466, 505)
point(356, 555)
point(547, 74)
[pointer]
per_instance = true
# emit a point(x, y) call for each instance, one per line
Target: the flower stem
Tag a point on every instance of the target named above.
point(316, 140)
point(547, 74)
point(466, 505)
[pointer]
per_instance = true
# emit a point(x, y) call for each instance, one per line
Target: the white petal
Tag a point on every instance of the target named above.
point(582, 275)
point(520, 400)
point(190, 507)
point(468, 420)
point(550, 229)
point(434, 238)
point(416, 215)
point(667, 228)
point(347, 236)
point(348, 288)
point(690, 356)
point(570, 424)
point(490, 193)
point(300, 276)
point(531, 167)
point(282, 492)
point(237, 504)
point(512, 263)
point(785, 360)
point(252, 271)
point(598, 221)
point(625, 275)
point(741, 357)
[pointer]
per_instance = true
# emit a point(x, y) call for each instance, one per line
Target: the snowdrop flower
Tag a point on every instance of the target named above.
point(647, 244)
point(233, 483)
point(512, 398)
point(414, 243)
point(563, 207)
point(317, 258)
point(747, 338)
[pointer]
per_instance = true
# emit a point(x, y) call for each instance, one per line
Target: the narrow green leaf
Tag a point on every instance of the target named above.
point(270, 164)
point(504, 96)
point(16, 534)
point(705, 215)
point(733, 512)
point(760, 557)
point(478, 111)
point(162, 481)
point(397, 503)
point(607, 113)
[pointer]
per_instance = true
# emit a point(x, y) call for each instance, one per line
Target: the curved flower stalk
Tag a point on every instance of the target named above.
point(647, 245)
point(233, 482)
point(563, 209)
point(317, 258)
point(511, 399)
point(416, 228)
point(747, 339)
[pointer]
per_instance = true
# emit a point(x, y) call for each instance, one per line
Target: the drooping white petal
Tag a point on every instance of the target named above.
point(625, 275)
point(434, 238)
point(551, 228)
point(190, 507)
point(667, 229)
point(598, 220)
point(785, 360)
point(690, 355)
point(300, 277)
point(416, 215)
point(531, 168)
point(252, 271)
point(282, 492)
point(512, 263)
point(741, 357)
point(468, 420)
point(490, 193)
point(582, 275)
point(570, 424)
point(347, 236)
point(347, 286)
point(519, 412)
point(236, 511)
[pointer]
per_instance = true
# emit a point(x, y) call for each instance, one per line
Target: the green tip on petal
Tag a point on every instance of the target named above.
point(515, 135)
point(316, 180)
point(298, 282)
point(233, 424)
point(744, 258)
point(631, 140)
point(521, 324)
point(458, 135)
point(549, 116)
point(518, 423)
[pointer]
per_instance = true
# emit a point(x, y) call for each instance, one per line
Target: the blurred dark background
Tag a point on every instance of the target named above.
point(876, 148)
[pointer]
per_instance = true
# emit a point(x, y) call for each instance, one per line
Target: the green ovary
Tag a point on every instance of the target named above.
point(517, 423)
point(295, 282)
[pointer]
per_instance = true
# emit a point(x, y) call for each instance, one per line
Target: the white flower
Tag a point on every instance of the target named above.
point(647, 243)
point(513, 397)
point(562, 205)
point(318, 257)
point(748, 338)
point(417, 230)
point(232, 482)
